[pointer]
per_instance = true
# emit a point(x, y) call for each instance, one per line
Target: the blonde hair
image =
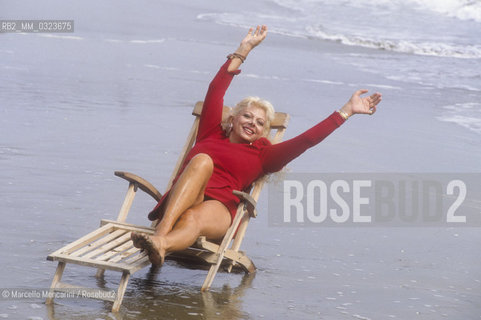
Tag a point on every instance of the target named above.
point(256, 102)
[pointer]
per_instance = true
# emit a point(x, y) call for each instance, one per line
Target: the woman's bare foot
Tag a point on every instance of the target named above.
point(152, 245)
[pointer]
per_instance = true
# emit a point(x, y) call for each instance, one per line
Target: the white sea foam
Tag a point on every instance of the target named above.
point(57, 36)
point(422, 48)
point(339, 83)
point(461, 9)
point(147, 41)
point(165, 68)
point(153, 66)
point(136, 41)
point(357, 316)
point(247, 20)
point(232, 19)
point(390, 41)
point(467, 115)
point(383, 86)
point(113, 40)
point(271, 77)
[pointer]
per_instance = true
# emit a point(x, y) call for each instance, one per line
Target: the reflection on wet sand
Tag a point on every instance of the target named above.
point(149, 298)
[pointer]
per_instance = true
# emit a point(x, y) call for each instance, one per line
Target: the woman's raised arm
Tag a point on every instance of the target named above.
point(274, 157)
point(361, 105)
point(250, 41)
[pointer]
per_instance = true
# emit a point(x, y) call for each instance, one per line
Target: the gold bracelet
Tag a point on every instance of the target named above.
point(237, 55)
point(343, 114)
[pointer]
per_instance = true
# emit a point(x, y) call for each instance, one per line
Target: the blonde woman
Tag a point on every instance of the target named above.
point(229, 157)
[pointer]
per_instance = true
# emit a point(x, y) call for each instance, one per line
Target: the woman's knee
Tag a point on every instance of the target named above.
point(189, 218)
point(203, 162)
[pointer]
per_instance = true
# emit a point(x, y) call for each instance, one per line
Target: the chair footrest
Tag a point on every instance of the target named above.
point(108, 247)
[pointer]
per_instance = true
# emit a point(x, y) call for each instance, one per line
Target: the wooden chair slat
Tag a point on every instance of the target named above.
point(96, 243)
point(123, 255)
point(111, 245)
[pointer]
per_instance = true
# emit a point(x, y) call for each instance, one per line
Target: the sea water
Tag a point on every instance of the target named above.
point(439, 42)
point(117, 95)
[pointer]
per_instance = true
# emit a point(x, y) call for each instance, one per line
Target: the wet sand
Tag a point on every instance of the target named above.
point(75, 110)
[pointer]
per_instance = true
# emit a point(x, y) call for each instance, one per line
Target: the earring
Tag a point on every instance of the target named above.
point(228, 129)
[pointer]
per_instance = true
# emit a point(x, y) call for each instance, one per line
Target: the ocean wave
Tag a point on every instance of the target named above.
point(311, 31)
point(247, 20)
point(403, 46)
point(467, 115)
point(230, 19)
point(460, 9)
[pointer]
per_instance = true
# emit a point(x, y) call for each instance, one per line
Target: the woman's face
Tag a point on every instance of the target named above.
point(248, 125)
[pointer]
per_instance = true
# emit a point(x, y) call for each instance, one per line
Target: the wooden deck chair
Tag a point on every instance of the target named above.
point(110, 248)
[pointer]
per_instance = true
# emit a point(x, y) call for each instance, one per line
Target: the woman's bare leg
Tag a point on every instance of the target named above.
point(186, 210)
point(209, 218)
point(187, 191)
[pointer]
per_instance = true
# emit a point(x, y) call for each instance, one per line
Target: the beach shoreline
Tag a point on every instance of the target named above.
point(119, 97)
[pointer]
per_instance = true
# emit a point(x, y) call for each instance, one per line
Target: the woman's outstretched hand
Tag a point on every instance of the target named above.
point(250, 41)
point(254, 37)
point(361, 105)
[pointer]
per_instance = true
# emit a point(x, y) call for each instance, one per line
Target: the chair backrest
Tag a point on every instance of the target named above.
point(276, 132)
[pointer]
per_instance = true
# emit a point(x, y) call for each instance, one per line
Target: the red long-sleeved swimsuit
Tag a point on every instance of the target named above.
point(237, 165)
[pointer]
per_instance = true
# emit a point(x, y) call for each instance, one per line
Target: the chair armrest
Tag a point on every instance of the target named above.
point(249, 202)
point(143, 184)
